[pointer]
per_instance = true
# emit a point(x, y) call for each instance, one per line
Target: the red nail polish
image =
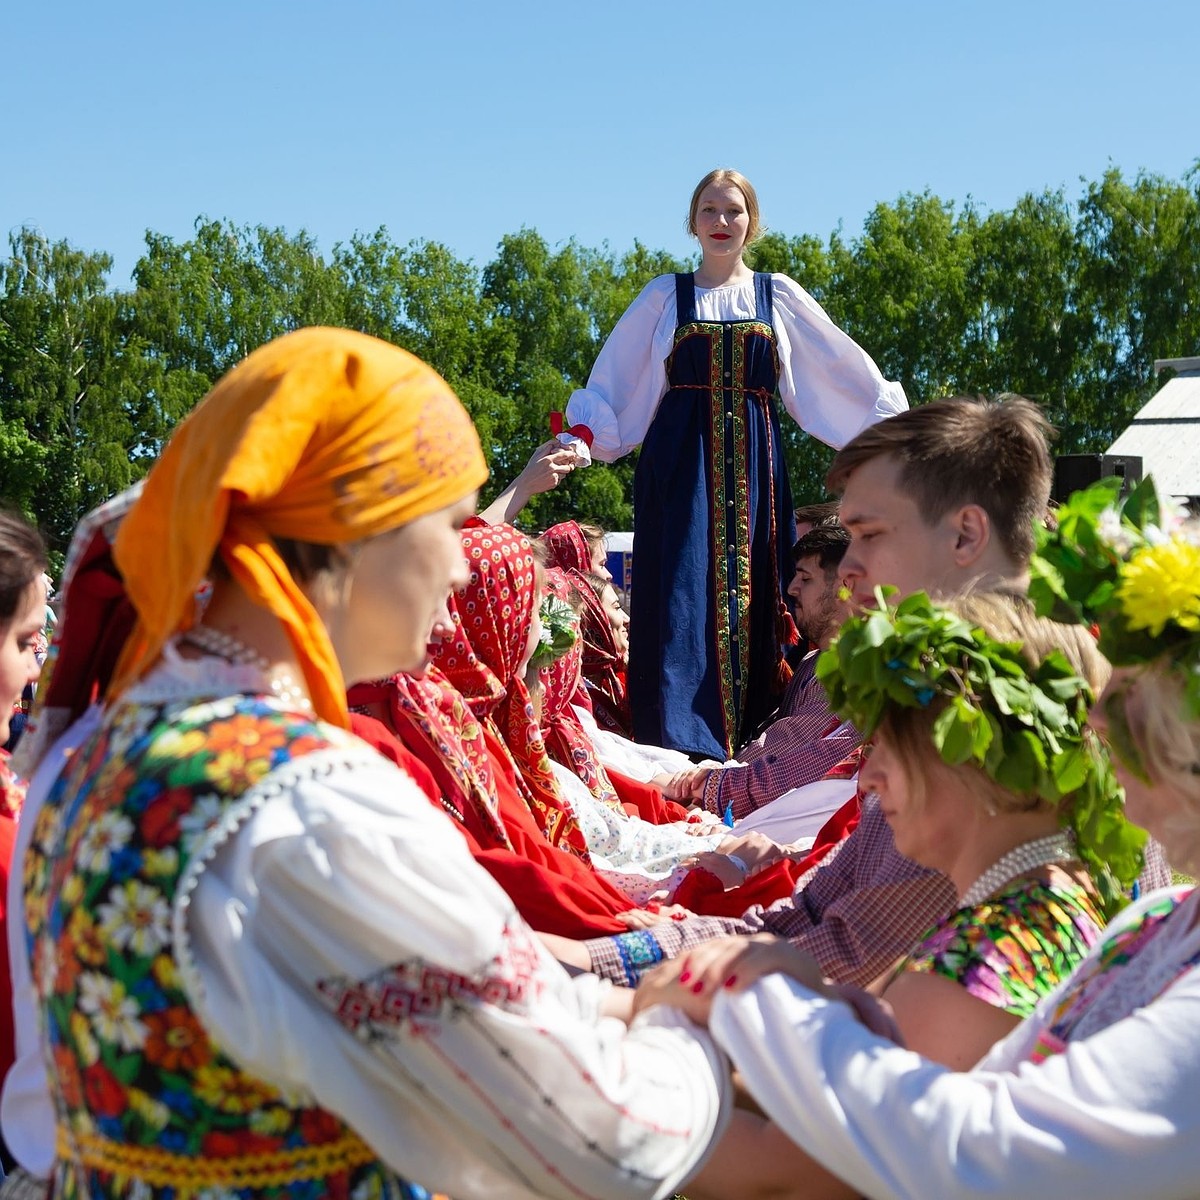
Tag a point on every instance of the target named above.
point(731, 981)
point(698, 987)
point(684, 976)
point(678, 916)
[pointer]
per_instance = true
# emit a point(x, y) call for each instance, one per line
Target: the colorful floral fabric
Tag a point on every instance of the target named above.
point(147, 1103)
point(431, 707)
point(1101, 989)
point(494, 613)
point(1016, 947)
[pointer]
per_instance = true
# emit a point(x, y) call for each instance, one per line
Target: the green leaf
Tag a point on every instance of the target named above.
point(953, 733)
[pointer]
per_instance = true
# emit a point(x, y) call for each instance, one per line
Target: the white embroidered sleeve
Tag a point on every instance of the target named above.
point(827, 381)
point(1113, 1116)
point(342, 942)
point(629, 377)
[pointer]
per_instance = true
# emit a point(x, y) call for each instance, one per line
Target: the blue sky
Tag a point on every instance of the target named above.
point(463, 121)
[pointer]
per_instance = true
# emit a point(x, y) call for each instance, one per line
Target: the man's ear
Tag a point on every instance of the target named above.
point(972, 534)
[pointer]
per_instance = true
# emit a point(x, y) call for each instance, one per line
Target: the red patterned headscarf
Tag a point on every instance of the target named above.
point(603, 665)
point(493, 615)
point(566, 739)
point(567, 547)
point(435, 723)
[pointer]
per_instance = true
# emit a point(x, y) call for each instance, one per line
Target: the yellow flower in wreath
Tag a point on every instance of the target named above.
point(1160, 585)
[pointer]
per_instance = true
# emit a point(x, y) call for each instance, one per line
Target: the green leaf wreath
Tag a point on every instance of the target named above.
point(1024, 727)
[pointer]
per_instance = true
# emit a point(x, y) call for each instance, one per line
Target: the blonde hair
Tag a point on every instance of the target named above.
point(594, 535)
point(1168, 741)
point(724, 175)
point(1007, 617)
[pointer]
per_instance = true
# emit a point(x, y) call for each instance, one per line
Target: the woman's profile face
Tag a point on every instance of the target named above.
point(928, 828)
point(618, 619)
point(599, 562)
point(394, 594)
point(18, 665)
point(721, 222)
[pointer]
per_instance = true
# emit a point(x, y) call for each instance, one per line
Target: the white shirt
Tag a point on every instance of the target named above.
point(1115, 1115)
point(635, 759)
point(344, 888)
point(827, 382)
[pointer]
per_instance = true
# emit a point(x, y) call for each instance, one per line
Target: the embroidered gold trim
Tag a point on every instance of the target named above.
point(163, 1168)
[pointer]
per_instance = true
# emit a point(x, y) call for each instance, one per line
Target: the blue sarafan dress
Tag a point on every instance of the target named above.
point(712, 525)
point(694, 376)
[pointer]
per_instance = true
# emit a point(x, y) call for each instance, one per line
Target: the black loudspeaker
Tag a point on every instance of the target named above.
point(1074, 472)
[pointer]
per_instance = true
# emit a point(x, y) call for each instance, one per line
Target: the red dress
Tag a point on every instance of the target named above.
point(473, 781)
point(12, 793)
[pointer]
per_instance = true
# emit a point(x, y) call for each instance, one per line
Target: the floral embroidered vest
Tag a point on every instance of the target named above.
point(148, 1104)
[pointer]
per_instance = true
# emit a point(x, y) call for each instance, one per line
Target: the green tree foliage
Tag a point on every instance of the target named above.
point(1139, 280)
point(69, 385)
point(1066, 302)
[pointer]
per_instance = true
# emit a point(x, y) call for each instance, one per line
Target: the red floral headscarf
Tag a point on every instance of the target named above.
point(436, 724)
point(603, 664)
point(493, 614)
point(567, 547)
point(566, 739)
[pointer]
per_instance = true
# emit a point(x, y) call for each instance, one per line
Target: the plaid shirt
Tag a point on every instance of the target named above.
point(798, 747)
point(856, 913)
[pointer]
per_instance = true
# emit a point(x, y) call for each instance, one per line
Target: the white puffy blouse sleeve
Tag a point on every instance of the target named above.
point(1115, 1115)
point(343, 943)
point(629, 377)
point(828, 383)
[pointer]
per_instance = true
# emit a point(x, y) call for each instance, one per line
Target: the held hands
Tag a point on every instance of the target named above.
point(732, 964)
point(644, 918)
point(737, 859)
point(685, 785)
point(548, 465)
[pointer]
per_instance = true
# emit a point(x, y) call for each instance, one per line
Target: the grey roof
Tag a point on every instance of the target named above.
point(1166, 432)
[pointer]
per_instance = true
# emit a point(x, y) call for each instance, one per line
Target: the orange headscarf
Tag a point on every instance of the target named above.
point(323, 435)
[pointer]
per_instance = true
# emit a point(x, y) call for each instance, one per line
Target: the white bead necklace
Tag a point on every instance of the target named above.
point(224, 645)
point(1020, 860)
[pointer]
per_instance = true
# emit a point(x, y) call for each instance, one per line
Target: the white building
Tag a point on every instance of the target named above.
point(1166, 432)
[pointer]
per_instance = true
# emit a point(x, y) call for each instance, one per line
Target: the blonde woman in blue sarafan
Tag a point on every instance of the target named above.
point(693, 374)
point(1094, 1095)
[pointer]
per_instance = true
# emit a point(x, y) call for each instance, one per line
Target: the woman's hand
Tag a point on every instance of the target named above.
point(549, 464)
point(664, 985)
point(734, 963)
point(731, 874)
point(644, 918)
point(547, 467)
point(874, 1013)
point(682, 785)
point(702, 824)
point(756, 850)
